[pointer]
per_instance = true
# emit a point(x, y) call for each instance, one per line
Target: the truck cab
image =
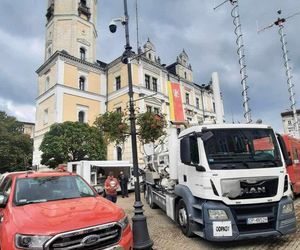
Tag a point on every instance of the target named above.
point(224, 182)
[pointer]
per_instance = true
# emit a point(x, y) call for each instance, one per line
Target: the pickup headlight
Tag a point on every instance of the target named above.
point(217, 214)
point(124, 222)
point(288, 208)
point(30, 241)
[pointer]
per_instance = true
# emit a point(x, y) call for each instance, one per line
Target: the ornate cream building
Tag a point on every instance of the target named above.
point(74, 86)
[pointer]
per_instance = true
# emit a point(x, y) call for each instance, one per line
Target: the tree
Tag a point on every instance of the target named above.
point(72, 141)
point(15, 147)
point(114, 126)
point(151, 127)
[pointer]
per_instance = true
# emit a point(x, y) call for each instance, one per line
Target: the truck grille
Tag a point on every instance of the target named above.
point(242, 213)
point(260, 189)
point(93, 238)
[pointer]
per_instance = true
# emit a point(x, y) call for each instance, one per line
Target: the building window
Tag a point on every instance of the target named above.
point(149, 108)
point(289, 122)
point(185, 75)
point(83, 3)
point(197, 103)
point(45, 116)
point(214, 107)
point(154, 83)
point(119, 153)
point(81, 116)
point(147, 81)
point(119, 110)
point(150, 56)
point(81, 83)
point(47, 83)
point(118, 82)
point(82, 53)
point(156, 110)
point(187, 98)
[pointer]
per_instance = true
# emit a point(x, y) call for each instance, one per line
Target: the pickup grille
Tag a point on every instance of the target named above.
point(94, 238)
point(241, 213)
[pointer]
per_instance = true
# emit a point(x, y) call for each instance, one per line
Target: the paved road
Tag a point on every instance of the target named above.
point(167, 236)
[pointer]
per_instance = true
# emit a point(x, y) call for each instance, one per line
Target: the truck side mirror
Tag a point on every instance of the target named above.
point(288, 162)
point(185, 152)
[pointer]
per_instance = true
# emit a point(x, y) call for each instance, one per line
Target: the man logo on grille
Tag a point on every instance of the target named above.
point(90, 240)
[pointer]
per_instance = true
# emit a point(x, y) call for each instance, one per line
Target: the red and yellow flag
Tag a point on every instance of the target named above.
point(176, 110)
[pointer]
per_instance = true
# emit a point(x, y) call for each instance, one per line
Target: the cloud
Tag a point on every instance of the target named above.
point(172, 25)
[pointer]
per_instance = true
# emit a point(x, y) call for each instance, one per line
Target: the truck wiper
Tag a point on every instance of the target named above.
point(234, 166)
point(269, 163)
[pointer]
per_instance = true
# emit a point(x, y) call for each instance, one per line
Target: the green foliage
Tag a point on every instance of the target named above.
point(114, 126)
point(15, 147)
point(72, 141)
point(151, 127)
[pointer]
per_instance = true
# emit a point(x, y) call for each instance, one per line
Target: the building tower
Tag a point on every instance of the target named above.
point(71, 82)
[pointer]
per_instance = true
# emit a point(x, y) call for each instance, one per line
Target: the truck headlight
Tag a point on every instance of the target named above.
point(217, 214)
point(35, 242)
point(288, 208)
point(124, 222)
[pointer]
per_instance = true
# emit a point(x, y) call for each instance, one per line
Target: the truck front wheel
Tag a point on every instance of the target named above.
point(183, 219)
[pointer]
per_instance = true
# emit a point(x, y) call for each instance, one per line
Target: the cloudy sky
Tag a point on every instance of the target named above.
point(206, 35)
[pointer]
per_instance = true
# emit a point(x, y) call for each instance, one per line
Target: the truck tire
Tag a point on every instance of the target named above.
point(183, 219)
point(150, 198)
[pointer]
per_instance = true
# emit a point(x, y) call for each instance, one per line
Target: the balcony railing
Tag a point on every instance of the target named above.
point(84, 10)
point(50, 12)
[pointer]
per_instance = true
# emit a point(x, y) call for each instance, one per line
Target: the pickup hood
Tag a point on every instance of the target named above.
point(50, 218)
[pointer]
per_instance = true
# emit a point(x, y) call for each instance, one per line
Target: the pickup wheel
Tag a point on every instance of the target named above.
point(183, 220)
point(150, 198)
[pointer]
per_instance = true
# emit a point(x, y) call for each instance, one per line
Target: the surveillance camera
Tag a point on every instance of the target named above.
point(113, 26)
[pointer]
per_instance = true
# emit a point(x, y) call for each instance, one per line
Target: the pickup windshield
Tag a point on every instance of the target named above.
point(242, 148)
point(45, 189)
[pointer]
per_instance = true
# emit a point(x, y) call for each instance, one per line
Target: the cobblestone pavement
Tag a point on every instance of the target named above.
point(167, 236)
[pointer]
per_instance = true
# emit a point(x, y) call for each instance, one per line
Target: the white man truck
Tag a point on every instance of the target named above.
point(220, 183)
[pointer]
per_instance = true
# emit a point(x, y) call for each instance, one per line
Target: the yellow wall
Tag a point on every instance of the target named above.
point(71, 79)
point(70, 108)
point(49, 104)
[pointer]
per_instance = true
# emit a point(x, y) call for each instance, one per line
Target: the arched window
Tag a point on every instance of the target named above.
point(81, 83)
point(81, 116)
point(82, 53)
point(47, 83)
point(83, 2)
point(119, 153)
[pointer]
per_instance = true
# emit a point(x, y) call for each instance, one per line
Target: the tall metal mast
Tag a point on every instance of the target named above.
point(241, 53)
point(288, 70)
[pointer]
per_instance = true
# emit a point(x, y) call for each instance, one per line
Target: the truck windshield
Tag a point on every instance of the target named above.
point(45, 189)
point(242, 148)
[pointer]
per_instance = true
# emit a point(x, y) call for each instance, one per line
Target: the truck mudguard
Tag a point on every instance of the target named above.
point(188, 198)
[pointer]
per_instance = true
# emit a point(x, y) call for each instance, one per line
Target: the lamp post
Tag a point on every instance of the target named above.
point(141, 238)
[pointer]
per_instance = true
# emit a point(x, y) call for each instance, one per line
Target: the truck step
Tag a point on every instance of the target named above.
point(199, 233)
point(198, 220)
point(197, 206)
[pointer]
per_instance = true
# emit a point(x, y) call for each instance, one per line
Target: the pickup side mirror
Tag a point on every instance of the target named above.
point(3, 200)
point(185, 152)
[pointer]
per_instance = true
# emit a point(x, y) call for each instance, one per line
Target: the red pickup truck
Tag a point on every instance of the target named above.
point(58, 211)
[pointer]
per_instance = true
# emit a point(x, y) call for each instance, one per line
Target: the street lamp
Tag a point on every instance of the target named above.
point(141, 238)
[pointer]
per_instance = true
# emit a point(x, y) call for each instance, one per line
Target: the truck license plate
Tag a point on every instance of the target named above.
point(257, 220)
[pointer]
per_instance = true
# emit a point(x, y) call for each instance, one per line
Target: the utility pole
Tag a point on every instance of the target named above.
point(288, 70)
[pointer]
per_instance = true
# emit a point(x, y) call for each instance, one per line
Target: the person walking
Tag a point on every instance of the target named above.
point(123, 179)
point(111, 185)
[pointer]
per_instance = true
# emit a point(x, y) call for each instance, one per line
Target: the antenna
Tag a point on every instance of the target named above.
point(137, 28)
point(241, 53)
point(288, 70)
